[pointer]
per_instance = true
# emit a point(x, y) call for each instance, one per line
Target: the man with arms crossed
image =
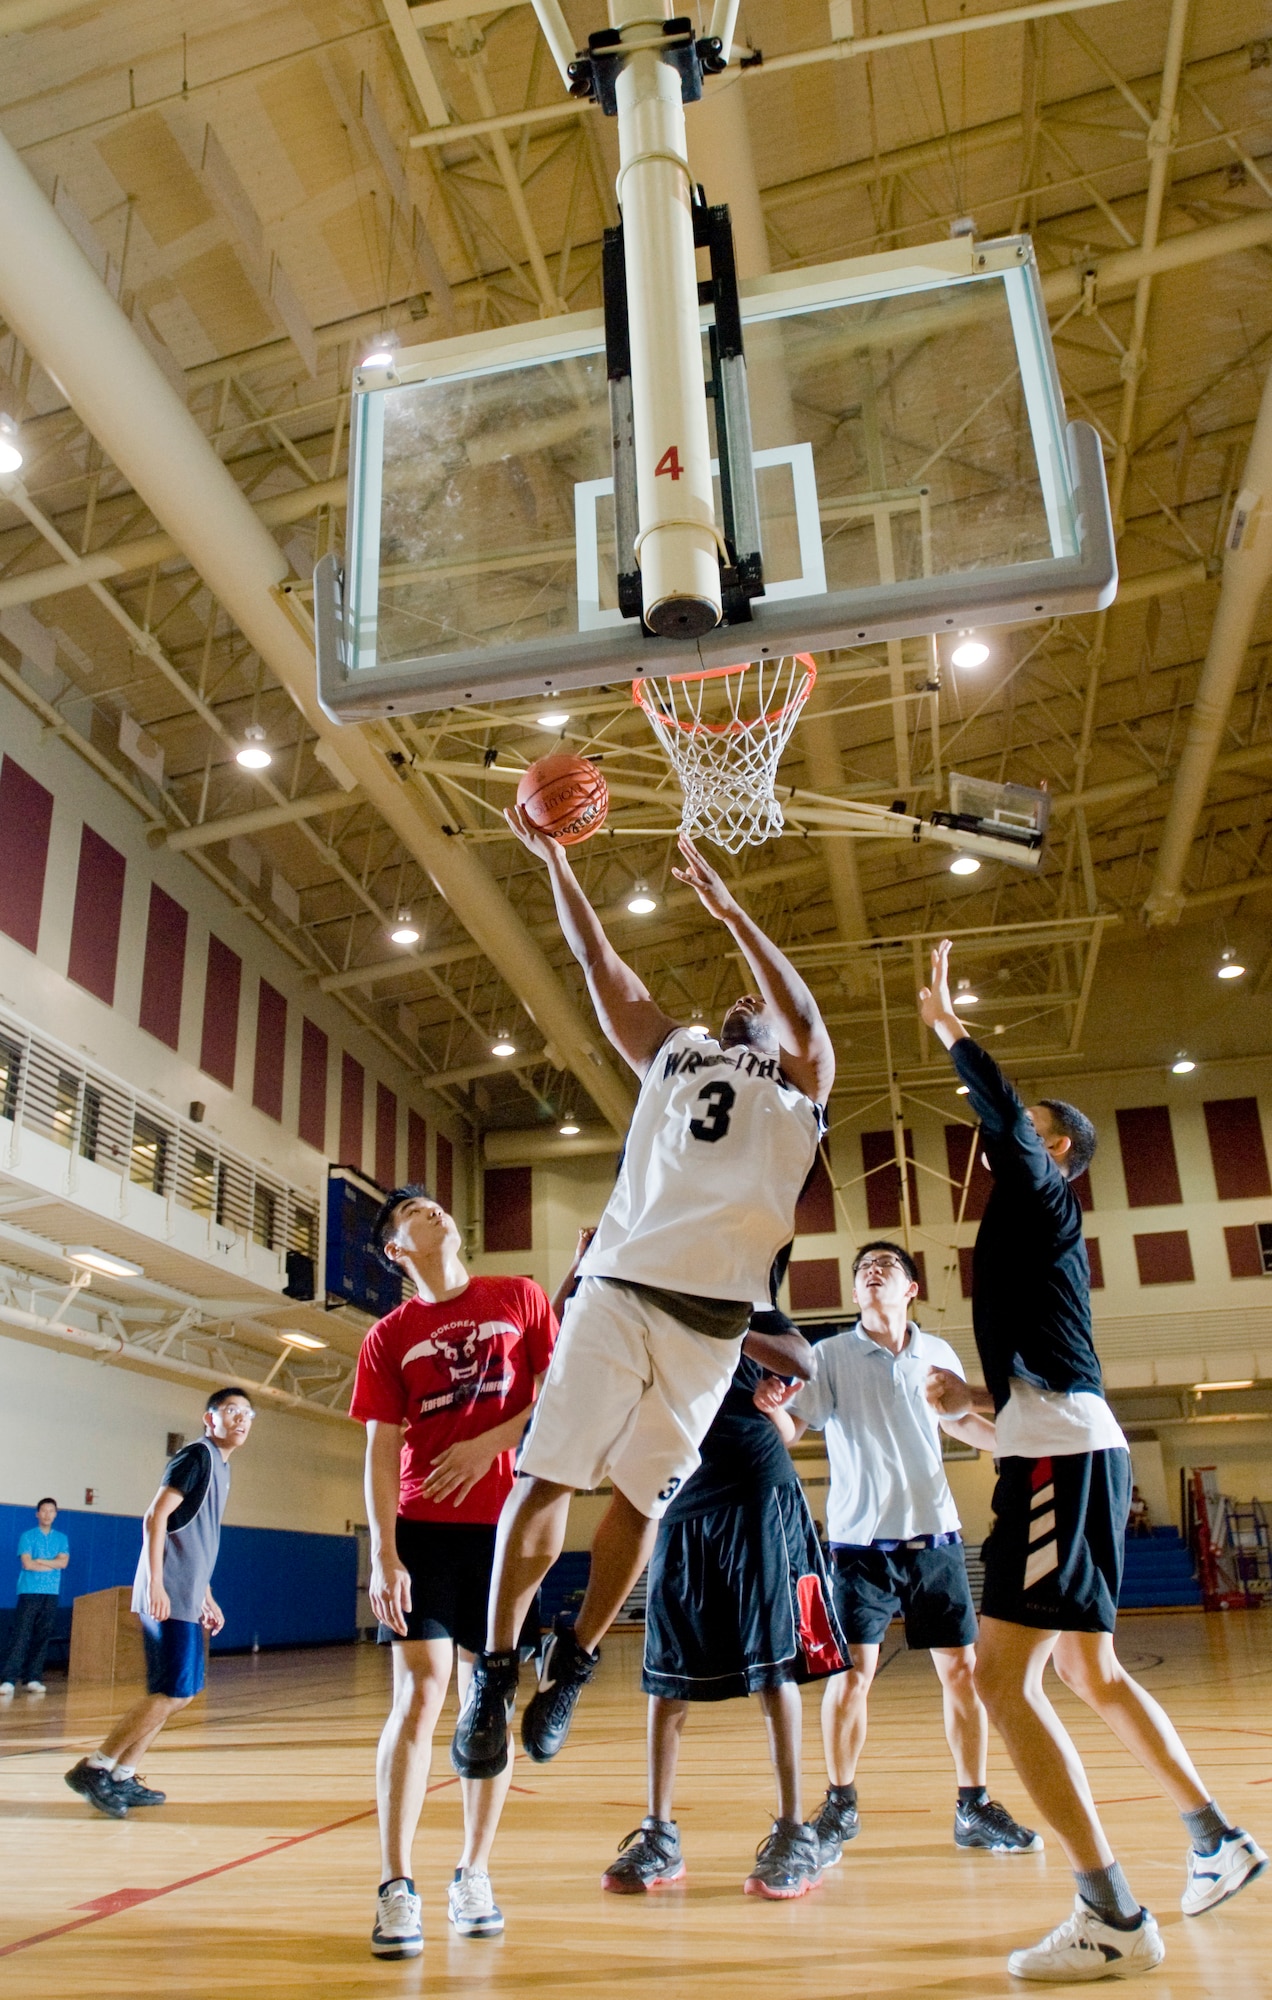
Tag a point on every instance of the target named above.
point(722, 1139)
point(172, 1594)
point(1053, 1561)
point(43, 1554)
point(444, 1386)
point(895, 1542)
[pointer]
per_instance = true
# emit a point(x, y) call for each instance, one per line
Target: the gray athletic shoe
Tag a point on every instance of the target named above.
point(787, 1864)
point(835, 1823)
point(992, 1827)
point(99, 1788)
point(646, 1859)
point(135, 1792)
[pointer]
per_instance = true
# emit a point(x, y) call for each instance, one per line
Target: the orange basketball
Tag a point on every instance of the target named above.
point(565, 796)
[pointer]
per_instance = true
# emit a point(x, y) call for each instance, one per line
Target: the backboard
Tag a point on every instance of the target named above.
point(914, 468)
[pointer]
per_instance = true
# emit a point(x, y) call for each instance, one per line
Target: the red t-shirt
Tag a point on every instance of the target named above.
point(452, 1371)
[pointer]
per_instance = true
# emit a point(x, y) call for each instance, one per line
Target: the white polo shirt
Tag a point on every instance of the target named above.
point(883, 1437)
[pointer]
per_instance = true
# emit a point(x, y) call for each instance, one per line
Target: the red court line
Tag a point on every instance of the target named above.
point(127, 1899)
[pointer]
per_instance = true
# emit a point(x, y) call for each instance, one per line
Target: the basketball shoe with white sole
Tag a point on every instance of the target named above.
point(1084, 1947)
point(398, 1932)
point(479, 1747)
point(471, 1905)
point(1212, 1878)
point(990, 1826)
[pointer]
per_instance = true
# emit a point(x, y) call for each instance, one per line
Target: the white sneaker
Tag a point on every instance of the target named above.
point(1084, 1947)
point(471, 1905)
point(36, 1687)
point(398, 1931)
point(6, 1687)
point(1212, 1878)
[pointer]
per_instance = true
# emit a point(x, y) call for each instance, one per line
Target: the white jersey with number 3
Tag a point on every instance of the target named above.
point(719, 1146)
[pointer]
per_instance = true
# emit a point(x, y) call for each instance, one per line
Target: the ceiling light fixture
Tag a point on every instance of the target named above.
point(105, 1261)
point(699, 1030)
point(1183, 1065)
point(640, 902)
point(965, 996)
point(503, 1047)
point(970, 651)
point(404, 931)
point(1229, 968)
point(254, 756)
point(555, 719)
point(569, 1130)
point(1208, 1388)
point(307, 1340)
point(10, 449)
point(960, 1090)
point(964, 864)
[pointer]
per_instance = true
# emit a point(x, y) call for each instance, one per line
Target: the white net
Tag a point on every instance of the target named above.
point(724, 730)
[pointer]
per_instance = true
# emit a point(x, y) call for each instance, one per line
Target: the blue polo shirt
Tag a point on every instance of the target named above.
point(40, 1582)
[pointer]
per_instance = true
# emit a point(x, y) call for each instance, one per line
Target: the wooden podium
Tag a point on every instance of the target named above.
point(106, 1647)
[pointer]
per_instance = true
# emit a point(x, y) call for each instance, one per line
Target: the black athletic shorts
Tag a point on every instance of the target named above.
point(927, 1587)
point(449, 1568)
point(1054, 1555)
point(739, 1600)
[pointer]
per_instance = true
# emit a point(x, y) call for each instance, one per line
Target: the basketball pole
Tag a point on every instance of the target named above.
point(677, 547)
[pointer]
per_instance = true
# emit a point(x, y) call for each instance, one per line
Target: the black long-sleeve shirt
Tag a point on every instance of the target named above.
point(1031, 1297)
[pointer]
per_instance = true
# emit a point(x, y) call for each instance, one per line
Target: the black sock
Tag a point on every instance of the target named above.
point(843, 1795)
point(973, 1795)
point(407, 1881)
point(1107, 1892)
point(1206, 1827)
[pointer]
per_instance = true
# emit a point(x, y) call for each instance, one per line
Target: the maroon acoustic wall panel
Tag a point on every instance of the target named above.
point(958, 1143)
point(99, 909)
point(1096, 1263)
point(883, 1182)
point(1244, 1257)
point(815, 1209)
point(1236, 1148)
point(509, 1209)
point(219, 1050)
point(965, 1271)
point(416, 1149)
point(1164, 1258)
point(313, 1086)
point(815, 1284)
point(26, 815)
point(445, 1189)
point(271, 1051)
point(385, 1136)
point(1148, 1156)
point(352, 1091)
point(163, 973)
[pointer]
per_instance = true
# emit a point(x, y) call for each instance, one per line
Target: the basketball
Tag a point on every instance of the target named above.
point(565, 796)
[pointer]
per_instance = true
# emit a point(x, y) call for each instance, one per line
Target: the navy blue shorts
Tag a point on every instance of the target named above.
point(174, 1657)
point(1053, 1558)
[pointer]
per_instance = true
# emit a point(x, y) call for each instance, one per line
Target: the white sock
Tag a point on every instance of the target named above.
point(125, 1771)
point(99, 1763)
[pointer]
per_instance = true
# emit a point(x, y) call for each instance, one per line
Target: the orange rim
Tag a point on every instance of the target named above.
point(734, 727)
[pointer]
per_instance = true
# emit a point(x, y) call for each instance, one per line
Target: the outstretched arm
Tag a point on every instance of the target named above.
point(1005, 1123)
point(631, 1019)
point(808, 1056)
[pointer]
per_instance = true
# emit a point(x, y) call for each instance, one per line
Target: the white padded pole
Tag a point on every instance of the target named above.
point(677, 547)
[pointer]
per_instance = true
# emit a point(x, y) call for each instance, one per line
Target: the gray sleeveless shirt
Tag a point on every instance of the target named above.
point(202, 1476)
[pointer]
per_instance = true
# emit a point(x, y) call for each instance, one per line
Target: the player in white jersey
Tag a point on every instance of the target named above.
point(723, 1137)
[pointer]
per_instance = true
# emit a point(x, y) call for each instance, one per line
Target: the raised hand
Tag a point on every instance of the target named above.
point(934, 1000)
point(540, 844)
point(700, 875)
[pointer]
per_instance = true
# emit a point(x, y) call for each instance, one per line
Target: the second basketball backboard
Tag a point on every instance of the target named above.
point(914, 468)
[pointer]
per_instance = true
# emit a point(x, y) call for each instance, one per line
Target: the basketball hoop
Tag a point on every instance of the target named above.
point(724, 730)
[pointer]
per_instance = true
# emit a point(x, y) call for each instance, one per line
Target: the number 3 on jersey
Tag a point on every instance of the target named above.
point(720, 1099)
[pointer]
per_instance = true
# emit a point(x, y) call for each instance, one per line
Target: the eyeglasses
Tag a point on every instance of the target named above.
point(884, 1264)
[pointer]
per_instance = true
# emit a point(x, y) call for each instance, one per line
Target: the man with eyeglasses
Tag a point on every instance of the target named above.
point(895, 1544)
point(1053, 1560)
point(172, 1594)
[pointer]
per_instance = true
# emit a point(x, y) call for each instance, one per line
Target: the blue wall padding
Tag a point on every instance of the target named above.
point(276, 1587)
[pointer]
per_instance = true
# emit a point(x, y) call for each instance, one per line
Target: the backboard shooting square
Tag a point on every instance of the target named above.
point(481, 564)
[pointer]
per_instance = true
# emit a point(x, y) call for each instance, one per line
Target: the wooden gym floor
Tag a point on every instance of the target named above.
point(258, 1877)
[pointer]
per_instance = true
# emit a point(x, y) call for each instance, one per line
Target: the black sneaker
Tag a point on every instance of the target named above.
point(567, 1669)
point(991, 1826)
point(835, 1823)
point(479, 1747)
point(136, 1793)
point(646, 1859)
point(99, 1788)
point(788, 1864)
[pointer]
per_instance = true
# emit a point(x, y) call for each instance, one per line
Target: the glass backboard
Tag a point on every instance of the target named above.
point(914, 469)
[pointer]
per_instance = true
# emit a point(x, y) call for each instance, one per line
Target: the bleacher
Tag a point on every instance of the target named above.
point(1159, 1571)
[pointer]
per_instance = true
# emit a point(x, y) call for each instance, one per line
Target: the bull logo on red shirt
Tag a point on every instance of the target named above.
point(474, 1359)
point(459, 1351)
